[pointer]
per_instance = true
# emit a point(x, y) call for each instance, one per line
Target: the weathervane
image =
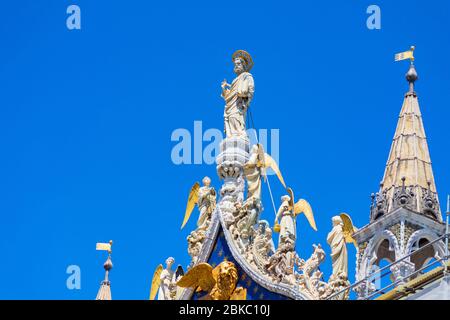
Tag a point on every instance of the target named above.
point(104, 293)
point(406, 55)
point(411, 75)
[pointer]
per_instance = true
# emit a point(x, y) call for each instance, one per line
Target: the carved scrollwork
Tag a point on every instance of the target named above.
point(195, 242)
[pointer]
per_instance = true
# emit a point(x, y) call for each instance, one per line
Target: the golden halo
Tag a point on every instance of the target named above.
point(244, 55)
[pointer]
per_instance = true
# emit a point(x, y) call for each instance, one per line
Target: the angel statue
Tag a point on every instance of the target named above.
point(219, 283)
point(287, 214)
point(256, 167)
point(205, 198)
point(238, 94)
point(340, 235)
point(164, 281)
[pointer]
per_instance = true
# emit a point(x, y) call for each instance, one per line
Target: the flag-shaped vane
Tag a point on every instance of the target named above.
point(104, 246)
point(405, 55)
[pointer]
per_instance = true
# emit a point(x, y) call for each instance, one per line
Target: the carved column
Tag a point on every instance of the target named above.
point(401, 270)
point(234, 153)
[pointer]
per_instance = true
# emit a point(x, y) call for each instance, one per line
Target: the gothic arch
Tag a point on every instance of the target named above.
point(370, 254)
point(425, 234)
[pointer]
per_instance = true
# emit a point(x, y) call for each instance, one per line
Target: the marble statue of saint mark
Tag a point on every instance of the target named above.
point(238, 95)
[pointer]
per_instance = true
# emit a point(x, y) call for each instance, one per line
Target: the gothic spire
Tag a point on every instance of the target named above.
point(408, 178)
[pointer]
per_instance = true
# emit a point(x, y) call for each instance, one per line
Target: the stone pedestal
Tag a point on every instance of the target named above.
point(234, 153)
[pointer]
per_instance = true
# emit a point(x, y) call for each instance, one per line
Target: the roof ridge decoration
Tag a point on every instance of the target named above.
point(408, 179)
point(241, 167)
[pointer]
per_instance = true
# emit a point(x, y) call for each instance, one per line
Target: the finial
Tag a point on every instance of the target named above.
point(411, 75)
point(403, 183)
point(104, 292)
point(108, 264)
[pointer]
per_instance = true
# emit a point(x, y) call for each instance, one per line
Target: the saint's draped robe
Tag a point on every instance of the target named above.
point(237, 100)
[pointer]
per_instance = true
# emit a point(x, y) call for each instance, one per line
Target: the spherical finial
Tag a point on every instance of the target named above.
point(108, 264)
point(412, 75)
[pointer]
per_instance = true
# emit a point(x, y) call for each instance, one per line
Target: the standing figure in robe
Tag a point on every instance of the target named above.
point(238, 95)
point(206, 203)
point(252, 172)
point(256, 167)
point(205, 198)
point(337, 242)
point(287, 225)
point(167, 286)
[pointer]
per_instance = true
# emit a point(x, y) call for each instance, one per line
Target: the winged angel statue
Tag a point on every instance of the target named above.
point(340, 235)
point(205, 199)
point(219, 283)
point(164, 282)
point(285, 220)
point(256, 167)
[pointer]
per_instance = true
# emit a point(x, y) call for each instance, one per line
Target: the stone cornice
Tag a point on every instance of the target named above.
point(398, 215)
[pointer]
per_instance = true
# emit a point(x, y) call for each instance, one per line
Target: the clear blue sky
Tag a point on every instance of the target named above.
point(86, 118)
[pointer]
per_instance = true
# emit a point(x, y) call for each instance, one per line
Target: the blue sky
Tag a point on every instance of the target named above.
point(86, 118)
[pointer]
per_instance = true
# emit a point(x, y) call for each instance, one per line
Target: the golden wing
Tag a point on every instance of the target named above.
point(192, 200)
point(348, 228)
point(200, 277)
point(215, 272)
point(261, 161)
point(156, 281)
point(179, 273)
point(269, 162)
point(303, 206)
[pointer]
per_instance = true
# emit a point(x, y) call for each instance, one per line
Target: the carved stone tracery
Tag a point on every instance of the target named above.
point(404, 197)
